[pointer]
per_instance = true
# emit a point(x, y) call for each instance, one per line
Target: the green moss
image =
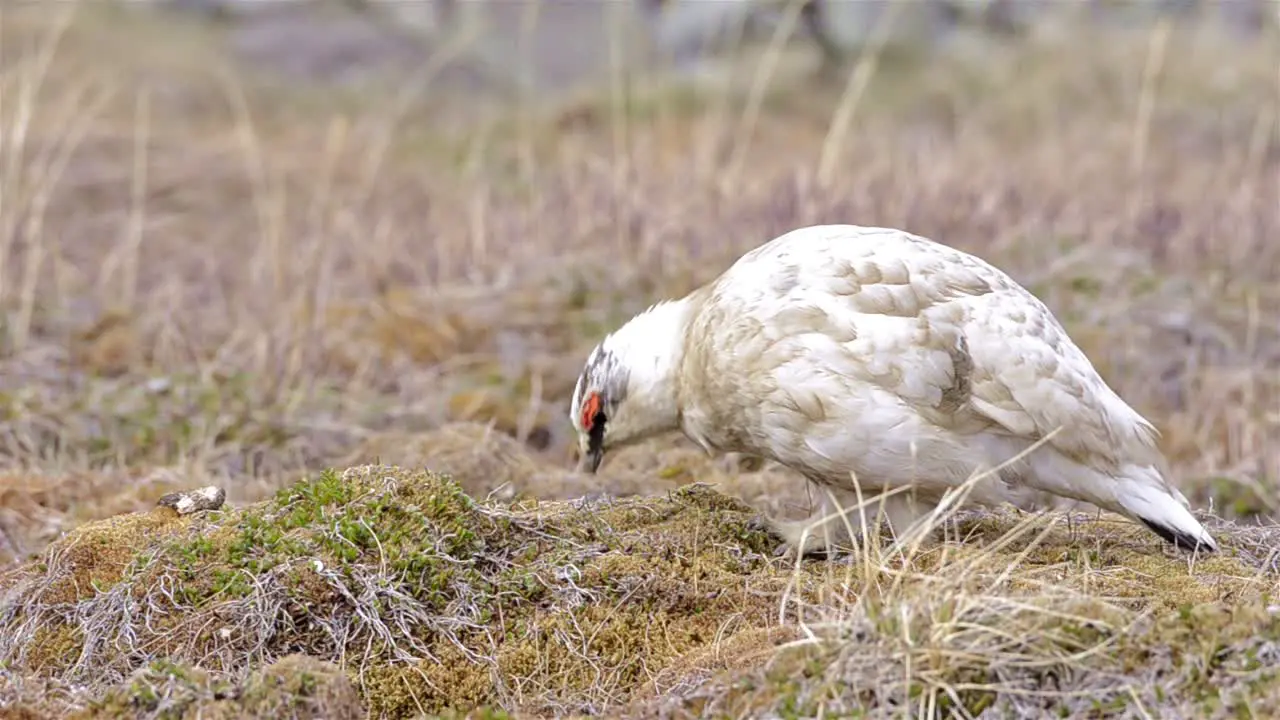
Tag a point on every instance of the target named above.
point(54, 647)
point(294, 686)
point(161, 689)
point(99, 555)
point(436, 593)
point(326, 519)
point(297, 686)
point(435, 601)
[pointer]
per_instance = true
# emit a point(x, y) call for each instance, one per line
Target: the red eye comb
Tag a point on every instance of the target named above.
point(589, 410)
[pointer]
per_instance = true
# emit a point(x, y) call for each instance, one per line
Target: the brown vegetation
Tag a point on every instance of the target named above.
point(207, 277)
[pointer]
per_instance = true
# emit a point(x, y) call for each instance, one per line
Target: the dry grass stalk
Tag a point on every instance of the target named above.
point(206, 278)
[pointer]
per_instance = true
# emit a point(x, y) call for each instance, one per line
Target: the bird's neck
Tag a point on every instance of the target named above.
point(652, 347)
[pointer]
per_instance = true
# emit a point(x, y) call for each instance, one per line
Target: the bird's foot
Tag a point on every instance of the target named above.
point(789, 536)
point(765, 526)
point(761, 524)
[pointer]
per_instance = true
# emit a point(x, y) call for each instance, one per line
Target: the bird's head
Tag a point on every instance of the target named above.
point(600, 395)
point(627, 389)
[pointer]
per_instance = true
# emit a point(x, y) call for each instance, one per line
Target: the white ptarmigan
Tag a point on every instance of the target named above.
point(848, 352)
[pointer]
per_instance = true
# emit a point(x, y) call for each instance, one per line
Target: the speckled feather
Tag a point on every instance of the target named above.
point(837, 349)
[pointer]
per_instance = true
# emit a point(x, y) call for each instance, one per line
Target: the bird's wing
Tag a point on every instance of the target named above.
point(950, 335)
point(1032, 380)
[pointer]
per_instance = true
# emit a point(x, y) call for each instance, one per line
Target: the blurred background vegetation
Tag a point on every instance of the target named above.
point(243, 239)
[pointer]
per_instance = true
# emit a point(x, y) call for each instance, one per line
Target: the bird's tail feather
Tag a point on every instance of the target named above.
point(1165, 512)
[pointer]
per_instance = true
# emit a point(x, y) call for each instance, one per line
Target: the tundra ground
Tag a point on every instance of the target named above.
point(320, 299)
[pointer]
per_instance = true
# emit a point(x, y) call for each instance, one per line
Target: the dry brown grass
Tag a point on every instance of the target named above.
point(425, 598)
point(427, 601)
point(206, 277)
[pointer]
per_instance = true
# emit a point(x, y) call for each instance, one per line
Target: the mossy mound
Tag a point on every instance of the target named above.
point(1026, 620)
point(295, 686)
point(998, 658)
point(429, 599)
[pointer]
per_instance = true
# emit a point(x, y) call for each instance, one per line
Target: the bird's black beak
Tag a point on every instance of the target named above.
point(595, 445)
point(591, 461)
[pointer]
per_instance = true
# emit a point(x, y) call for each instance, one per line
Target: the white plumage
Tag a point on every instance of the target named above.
point(839, 350)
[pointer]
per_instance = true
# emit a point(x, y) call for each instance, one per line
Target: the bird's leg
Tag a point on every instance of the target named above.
point(905, 512)
point(825, 529)
point(811, 536)
point(838, 521)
